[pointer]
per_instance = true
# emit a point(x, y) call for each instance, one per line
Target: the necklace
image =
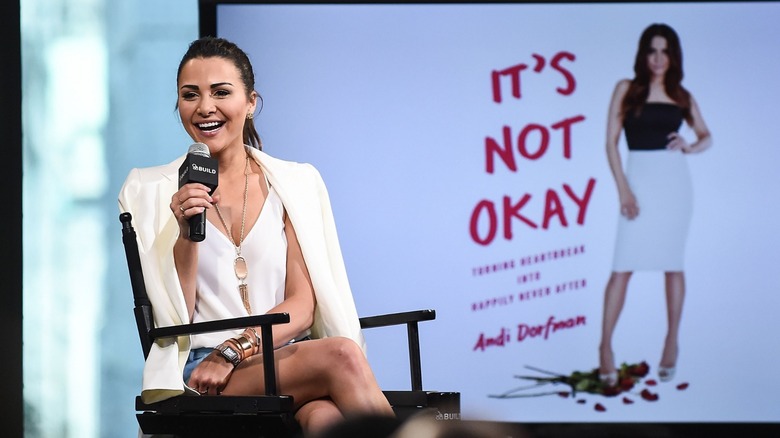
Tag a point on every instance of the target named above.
point(239, 264)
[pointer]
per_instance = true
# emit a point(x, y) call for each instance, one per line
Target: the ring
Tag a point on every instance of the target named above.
point(181, 208)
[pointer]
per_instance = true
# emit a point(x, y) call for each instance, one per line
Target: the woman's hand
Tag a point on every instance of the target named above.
point(191, 199)
point(677, 143)
point(211, 375)
point(628, 206)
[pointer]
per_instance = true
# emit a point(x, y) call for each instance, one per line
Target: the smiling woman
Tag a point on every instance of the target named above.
point(207, 101)
point(275, 229)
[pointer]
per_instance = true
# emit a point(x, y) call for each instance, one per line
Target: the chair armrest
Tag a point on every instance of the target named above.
point(412, 333)
point(220, 325)
point(265, 322)
point(397, 318)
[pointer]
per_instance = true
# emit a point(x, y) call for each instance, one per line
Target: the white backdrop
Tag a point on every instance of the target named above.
point(394, 105)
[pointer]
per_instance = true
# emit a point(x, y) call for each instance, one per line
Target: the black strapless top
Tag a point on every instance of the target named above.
point(649, 130)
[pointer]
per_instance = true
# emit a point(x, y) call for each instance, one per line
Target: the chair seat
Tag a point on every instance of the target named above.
point(439, 405)
point(210, 416)
point(203, 424)
point(218, 403)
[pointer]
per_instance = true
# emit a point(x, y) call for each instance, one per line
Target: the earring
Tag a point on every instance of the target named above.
point(250, 116)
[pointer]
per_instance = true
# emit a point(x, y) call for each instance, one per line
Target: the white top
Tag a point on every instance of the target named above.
point(265, 251)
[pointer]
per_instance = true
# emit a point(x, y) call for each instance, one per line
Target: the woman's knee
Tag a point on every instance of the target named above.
point(622, 276)
point(344, 347)
point(344, 353)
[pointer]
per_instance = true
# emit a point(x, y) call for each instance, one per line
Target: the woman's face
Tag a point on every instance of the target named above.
point(213, 103)
point(658, 59)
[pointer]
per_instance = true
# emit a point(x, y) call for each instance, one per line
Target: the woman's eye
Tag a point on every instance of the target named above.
point(188, 96)
point(221, 93)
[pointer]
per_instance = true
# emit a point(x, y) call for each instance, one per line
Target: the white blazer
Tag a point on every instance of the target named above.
point(146, 194)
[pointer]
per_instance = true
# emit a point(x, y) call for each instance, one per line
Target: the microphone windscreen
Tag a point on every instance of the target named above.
point(200, 150)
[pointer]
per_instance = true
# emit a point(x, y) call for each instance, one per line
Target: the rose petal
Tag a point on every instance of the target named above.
point(682, 386)
point(599, 407)
point(651, 382)
point(627, 401)
point(563, 394)
point(581, 401)
point(649, 396)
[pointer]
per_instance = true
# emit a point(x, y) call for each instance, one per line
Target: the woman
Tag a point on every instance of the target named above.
point(271, 247)
point(655, 190)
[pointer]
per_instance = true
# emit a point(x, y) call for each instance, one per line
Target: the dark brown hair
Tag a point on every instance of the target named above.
point(637, 93)
point(210, 47)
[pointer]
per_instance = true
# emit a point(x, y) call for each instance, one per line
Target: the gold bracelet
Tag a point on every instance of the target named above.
point(246, 345)
point(257, 338)
point(248, 334)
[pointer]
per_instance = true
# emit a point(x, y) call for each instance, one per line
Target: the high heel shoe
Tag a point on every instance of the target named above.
point(666, 374)
point(607, 361)
point(609, 378)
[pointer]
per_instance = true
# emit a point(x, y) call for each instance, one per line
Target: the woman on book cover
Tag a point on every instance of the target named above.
point(655, 188)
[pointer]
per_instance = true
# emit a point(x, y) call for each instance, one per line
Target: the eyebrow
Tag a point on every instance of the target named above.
point(216, 85)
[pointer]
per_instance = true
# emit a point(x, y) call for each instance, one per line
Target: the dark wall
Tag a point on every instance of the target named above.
point(11, 407)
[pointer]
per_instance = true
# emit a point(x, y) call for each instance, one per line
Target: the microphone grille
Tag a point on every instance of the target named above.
point(199, 149)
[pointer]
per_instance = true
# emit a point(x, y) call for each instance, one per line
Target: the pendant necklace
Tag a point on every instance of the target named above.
point(239, 264)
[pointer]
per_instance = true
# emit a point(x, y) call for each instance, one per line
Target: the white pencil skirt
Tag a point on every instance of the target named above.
point(655, 239)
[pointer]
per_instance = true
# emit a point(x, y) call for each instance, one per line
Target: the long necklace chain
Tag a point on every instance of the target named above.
point(239, 264)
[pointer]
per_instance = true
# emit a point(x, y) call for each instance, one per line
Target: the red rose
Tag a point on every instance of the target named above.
point(626, 383)
point(611, 391)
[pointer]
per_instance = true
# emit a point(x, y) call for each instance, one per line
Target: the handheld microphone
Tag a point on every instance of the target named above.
point(198, 167)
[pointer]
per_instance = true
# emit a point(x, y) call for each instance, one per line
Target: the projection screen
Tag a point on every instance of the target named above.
point(463, 146)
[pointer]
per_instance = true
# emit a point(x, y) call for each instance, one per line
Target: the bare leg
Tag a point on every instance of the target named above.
point(675, 295)
point(614, 298)
point(333, 368)
point(317, 416)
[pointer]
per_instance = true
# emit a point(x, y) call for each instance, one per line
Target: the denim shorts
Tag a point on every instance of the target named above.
point(195, 358)
point(198, 354)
